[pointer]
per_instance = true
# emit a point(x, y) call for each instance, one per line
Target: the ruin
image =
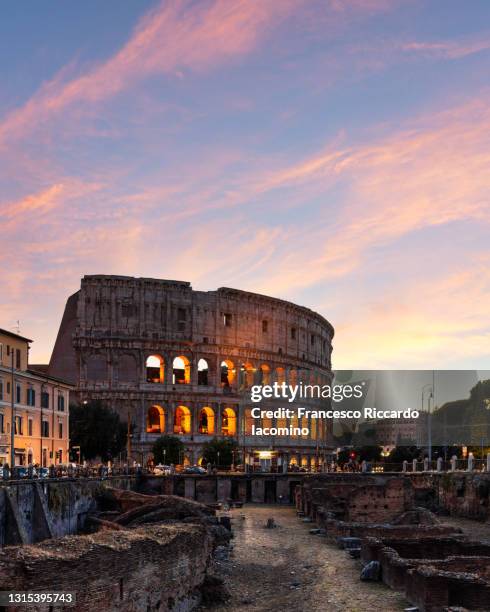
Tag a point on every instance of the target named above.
point(406, 546)
point(180, 361)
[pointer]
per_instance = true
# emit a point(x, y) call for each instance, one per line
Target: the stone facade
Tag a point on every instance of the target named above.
point(181, 361)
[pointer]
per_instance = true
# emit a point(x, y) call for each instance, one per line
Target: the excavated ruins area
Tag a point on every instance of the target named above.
point(141, 553)
point(435, 564)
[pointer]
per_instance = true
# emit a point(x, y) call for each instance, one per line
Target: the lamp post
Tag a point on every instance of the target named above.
point(12, 415)
point(428, 387)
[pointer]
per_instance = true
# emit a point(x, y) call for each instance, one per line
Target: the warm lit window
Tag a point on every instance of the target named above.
point(154, 369)
point(155, 420)
point(181, 371)
point(182, 420)
point(202, 372)
point(228, 422)
point(206, 421)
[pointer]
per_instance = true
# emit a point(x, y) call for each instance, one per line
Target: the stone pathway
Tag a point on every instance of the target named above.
point(286, 569)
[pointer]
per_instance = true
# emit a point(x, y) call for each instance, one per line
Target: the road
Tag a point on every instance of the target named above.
point(286, 569)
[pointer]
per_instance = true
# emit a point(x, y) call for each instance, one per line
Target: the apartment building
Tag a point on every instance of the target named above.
point(39, 404)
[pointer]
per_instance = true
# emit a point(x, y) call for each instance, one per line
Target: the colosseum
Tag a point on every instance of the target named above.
point(178, 361)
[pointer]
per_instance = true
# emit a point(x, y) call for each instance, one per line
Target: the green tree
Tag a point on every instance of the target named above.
point(97, 430)
point(167, 450)
point(227, 449)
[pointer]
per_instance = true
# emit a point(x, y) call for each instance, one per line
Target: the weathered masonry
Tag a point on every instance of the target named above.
point(182, 361)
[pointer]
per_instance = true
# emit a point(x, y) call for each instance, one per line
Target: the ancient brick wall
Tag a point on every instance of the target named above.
point(158, 567)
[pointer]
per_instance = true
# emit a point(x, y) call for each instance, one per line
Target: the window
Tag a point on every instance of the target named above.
point(44, 399)
point(29, 427)
point(60, 430)
point(18, 426)
point(265, 325)
point(293, 333)
point(8, 350)
point(312, 339)
point(227, 319)
point(45, 429)
point(61, 402)
point(2, 423)
point(17, 359)
point(1, 352)
point(31, 396)
point(17, 399)
point(8, 388)
point(181, 319)
point(1, 389)
point(202, 372)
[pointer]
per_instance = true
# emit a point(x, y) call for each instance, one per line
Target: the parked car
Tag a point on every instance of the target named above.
point(162, 470)
point(194, 469)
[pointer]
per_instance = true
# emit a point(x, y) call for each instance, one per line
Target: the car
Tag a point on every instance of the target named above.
point(162, 470)
point(194, 469)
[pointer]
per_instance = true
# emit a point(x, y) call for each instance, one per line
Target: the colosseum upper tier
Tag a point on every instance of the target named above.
point(179, 361)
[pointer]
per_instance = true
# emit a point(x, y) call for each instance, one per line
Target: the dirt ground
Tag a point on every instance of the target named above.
point(287, 569)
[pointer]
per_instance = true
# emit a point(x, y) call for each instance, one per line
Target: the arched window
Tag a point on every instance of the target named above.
point(280, 375)
point(293, 422)
point(202, 372)
point(304, 461)
point(206, 421)
point(265, 374)
point(228, 426)
point(249, 421)
point(247, 372)
point(181, 371)
point(227, 373)
point(154, 369)
point(155, 420)
point(182, 421)
point(96, 368)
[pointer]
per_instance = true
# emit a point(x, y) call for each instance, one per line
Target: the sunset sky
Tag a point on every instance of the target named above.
point(335, 153)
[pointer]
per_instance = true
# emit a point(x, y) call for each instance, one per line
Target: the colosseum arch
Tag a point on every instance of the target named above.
point(154, 369)
point(228, 373)
point(126, 368)
point(97, 370)
point(293, 376)
point(265, 374)
point(228, 422)
point(181, 371)
point(182, 420)
point(155, 419)
point(206, 421)
point(202, 372)
point(247, 373)
point(280, 375)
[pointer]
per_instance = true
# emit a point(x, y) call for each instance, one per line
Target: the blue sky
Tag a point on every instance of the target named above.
point(332, 153)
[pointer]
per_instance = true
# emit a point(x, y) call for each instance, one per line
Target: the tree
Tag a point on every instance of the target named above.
point(227, 449)
point(98, 431)
point(404, 453)
point(167, 450)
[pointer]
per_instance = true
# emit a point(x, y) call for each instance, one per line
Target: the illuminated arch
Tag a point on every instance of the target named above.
point(293, 376)
point(280, 375)
point(206, 421)
point(293, 460)
point(265, 374)
point(228, 426)
point(304, 461)
point(247, 373)
point(182, 420)
point(155, 419)
point(154, 369)
point(202, 372)
point(228, 373)
point(187, 461)
point(181, 371)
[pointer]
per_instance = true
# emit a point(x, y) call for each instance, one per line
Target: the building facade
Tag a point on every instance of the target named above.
point(178, 361)
point(40, 406)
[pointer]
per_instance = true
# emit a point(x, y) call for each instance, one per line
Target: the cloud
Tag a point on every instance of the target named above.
point(173, 38)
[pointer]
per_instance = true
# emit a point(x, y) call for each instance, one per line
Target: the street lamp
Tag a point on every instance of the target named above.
point(428, 387)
